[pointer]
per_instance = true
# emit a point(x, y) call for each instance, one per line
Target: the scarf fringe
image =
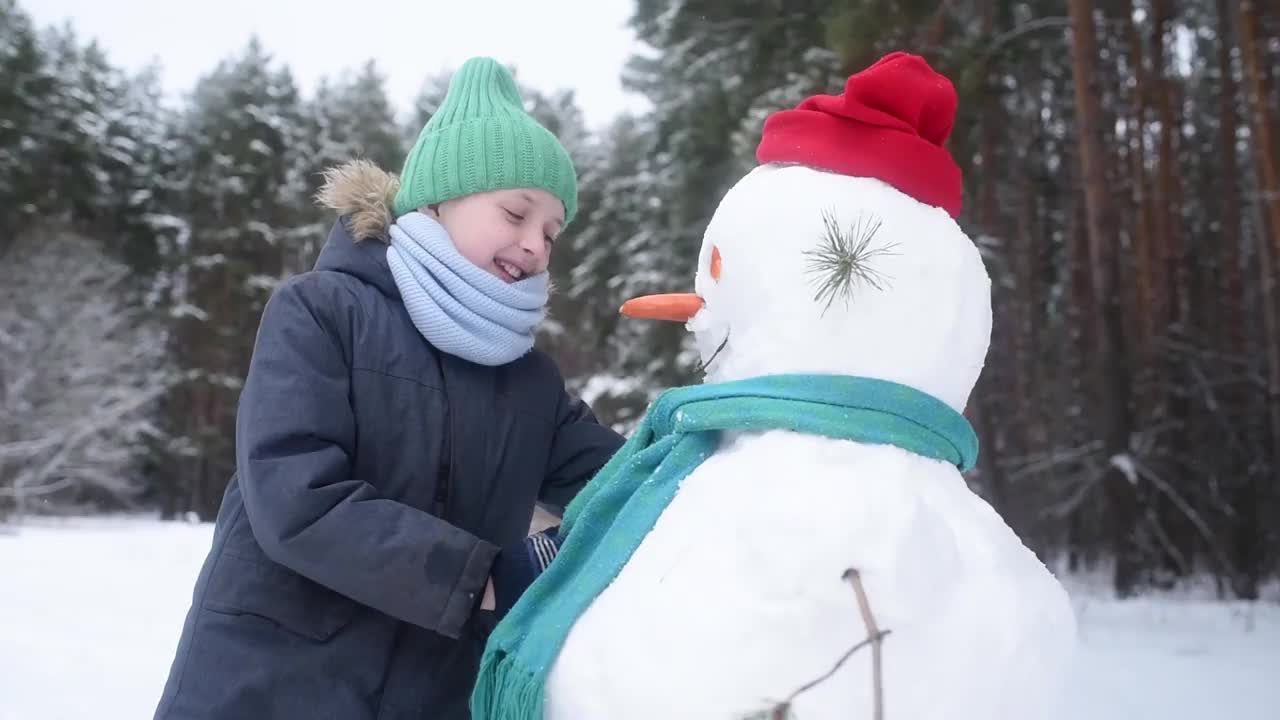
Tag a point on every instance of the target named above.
point(504, 691)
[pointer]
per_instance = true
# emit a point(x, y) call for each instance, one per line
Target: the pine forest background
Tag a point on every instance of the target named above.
point(1122, 174)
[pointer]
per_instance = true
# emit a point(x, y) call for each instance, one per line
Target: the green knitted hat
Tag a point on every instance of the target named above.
point(482, 139)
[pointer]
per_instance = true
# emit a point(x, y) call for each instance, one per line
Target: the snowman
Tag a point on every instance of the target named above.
point(794, 537)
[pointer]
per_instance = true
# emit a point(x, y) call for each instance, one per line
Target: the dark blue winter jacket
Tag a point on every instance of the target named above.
point(376, 479)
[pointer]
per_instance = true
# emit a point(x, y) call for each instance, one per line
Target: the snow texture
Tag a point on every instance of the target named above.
point(90, 612)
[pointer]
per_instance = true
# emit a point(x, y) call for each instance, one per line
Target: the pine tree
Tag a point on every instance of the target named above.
point(561, 333)
point(715, 71)
point(76, 132)
point(429, 99)
point(357, 119)
point(26, 91)
point(349, 118)
point(142, 162)
point(244, 202)
point(616, 204)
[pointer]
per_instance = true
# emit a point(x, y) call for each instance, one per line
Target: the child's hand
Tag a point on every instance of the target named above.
point(518, 565)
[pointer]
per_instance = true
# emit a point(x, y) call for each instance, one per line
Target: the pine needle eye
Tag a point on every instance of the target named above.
point(843, 260)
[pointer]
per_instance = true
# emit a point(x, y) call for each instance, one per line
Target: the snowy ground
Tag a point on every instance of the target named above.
point(90, 611)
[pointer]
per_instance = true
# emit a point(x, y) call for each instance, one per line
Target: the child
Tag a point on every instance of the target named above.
point(394, 433)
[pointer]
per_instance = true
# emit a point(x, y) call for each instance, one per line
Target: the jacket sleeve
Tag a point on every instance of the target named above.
point(581, 446)
point(295, 438)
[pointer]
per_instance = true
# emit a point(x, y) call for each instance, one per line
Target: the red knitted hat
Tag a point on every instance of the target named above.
point(891, 123)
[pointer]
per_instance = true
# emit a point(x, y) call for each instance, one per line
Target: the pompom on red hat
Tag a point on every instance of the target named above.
point(891, 123)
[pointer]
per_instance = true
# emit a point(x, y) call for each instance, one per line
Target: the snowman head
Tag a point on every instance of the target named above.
point(840, 253)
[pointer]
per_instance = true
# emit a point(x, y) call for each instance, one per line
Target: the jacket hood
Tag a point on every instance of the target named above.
point(357, 245)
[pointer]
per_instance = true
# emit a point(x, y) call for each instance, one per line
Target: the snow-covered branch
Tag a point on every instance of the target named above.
point(79, 369)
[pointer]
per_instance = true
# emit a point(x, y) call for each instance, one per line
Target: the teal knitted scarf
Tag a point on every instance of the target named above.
point(604, 525)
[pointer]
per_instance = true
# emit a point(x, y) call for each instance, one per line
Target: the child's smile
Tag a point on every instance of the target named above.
point(509, 271)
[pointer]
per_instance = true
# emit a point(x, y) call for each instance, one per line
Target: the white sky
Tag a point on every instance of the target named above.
point(409, 39)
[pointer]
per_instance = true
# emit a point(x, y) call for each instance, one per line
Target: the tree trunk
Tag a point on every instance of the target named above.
point(1168, 198)
point(932, 32)
point(1173, 266)
point(1031, 322)
point(1142, 250)
point(1230, 325)
point(1257, 80)
point(1264, 153)
point(1109, 354)
point(986, 216)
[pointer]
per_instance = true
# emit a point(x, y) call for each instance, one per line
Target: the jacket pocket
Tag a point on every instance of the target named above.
point(244, 586)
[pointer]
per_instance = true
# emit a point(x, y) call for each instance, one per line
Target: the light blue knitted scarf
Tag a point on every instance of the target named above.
point(457, 306)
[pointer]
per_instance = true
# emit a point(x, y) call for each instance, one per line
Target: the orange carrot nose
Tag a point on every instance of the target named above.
point(677, 307)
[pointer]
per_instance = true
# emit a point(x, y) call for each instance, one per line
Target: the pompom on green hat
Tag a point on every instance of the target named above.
point(482, 139)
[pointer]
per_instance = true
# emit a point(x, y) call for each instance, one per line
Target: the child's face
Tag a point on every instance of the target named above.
point(505, 232)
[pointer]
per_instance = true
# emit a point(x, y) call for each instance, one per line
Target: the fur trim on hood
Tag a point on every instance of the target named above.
point(363, 191)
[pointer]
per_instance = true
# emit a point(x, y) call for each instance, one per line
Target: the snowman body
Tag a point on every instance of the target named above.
point(738, 596)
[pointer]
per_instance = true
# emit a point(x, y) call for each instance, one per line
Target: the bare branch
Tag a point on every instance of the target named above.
point(1045, 461)
point(1166, 542)
point(873, 632)
point(82, 364)
point(46, 489)
point(1044, 23)
point(1073, 501)
point(1027, 28)
point(1190, 512)
point(72, 441)
point(839, 664)
point(875, 637)
point(1212, 404)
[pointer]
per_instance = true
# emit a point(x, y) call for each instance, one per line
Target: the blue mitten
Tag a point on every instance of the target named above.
point(519, 564)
